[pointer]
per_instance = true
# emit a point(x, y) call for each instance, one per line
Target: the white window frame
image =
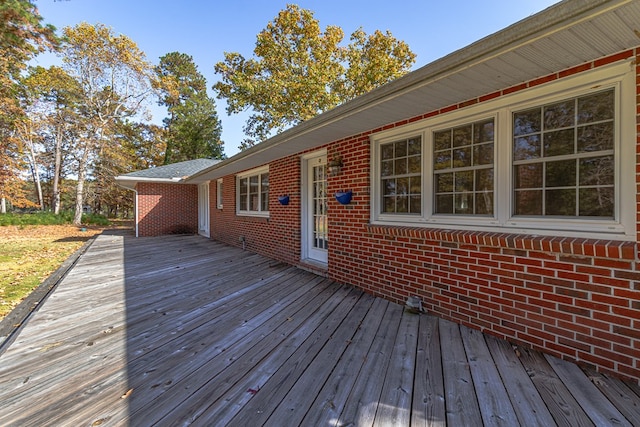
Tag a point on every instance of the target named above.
point(219, 184)
point(245, 175)
point(620, 76)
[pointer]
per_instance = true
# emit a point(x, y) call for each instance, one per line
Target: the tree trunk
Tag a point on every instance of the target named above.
point(82, 174)
point(55, 199)
point(3, 205)
point(35, 173)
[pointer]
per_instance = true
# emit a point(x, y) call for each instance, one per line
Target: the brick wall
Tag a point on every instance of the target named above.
point(578, 299)
point(278, 236)
point(167, 209)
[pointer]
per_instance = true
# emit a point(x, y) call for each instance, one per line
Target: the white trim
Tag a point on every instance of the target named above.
point(620, 76)
point(203, 209)
point(306, 253)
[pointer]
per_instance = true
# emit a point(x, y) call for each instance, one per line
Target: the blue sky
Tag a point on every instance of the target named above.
point(205, 29)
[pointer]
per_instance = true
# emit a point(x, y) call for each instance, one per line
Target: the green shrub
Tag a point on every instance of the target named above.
point(49, 218)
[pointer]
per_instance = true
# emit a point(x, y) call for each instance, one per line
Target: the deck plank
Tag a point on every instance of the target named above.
point(494, 403)
point(428, 408)
point(206, 334)
point(394, 407)
point(461, 400)
point(527, 403)
point(330, 401)
point(361, 405)
point(596, 406)
point(619, 393)
point(563, 406)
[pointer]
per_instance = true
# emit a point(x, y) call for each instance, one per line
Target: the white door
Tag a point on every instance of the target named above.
point(315, 242)
point(203, 209)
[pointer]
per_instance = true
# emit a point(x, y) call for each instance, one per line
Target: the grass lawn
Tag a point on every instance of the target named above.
point(29, 254)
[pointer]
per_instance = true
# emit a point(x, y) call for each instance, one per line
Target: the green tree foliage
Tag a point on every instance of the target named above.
point(114, 79)
point(193, 128)
point(22, 36)
point(299, 71)
point(51, 102)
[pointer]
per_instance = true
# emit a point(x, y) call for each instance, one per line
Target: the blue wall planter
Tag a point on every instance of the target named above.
point(284, 200)
point(344, 197)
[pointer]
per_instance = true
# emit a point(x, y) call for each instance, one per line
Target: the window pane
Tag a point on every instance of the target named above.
point(560, 202)
point(264, 192)
point(253, 193)
point(595, 137)
point(387, 151)
point(559, 115)
point(402, 204)
point(527, 148)
point(526, 122)
point(484, 180)
point(401, 149)
point(442, 140)
point(462, 136)
point(415, 146)
point(596, 107)
point(444, 204)
point(414, 164)
point(484, 203)
point(558, 143)
point(560, 174)
point(444, 182)
point(415, 204)
point(596, 171)
point(387, 168)
point(400, 166)
point(389, 204)
point(464, 203)
point(389, 187)
point(528, 202)
point(464, 181)
point(528, 176)
point(483, 154)
point(462, 157)
point(597, 201)
point(244, 192)
point(442, 160)
point(483, 131)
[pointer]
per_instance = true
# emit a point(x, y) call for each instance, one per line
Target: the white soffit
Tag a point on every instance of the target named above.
point(562, 36)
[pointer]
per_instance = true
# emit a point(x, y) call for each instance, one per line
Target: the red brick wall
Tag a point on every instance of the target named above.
point(278, 236)
point(167, 209)
point(578, 299)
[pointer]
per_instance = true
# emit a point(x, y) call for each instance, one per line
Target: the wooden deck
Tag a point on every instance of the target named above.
point(183, 330)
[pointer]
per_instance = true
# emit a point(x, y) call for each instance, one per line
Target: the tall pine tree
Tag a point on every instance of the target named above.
point(193, 128)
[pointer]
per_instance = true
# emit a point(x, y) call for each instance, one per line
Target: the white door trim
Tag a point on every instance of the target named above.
point(308, 251)
point(203, 209)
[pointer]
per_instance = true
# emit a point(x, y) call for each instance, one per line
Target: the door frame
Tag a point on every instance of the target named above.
point(203, 210)
point(306, 210)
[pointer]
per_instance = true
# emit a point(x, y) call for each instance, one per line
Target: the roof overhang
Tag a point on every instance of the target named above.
point(130, 182)
point(565, 35)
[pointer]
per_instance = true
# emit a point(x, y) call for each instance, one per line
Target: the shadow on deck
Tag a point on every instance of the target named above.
point(180, 329)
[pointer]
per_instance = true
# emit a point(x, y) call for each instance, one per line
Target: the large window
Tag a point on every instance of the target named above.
point(563, 158)
point(400, 170)
point(463, 169)
point(253, 193)
point(556, 160)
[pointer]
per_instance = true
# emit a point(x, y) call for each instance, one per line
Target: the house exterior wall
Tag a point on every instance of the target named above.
point(574, 298)
point(167, 209)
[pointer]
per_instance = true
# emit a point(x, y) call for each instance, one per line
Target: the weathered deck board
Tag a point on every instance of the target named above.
point(182, 330)
point(493, 400)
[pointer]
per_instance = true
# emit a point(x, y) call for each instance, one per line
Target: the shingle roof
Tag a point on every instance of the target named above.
point(174, 170)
